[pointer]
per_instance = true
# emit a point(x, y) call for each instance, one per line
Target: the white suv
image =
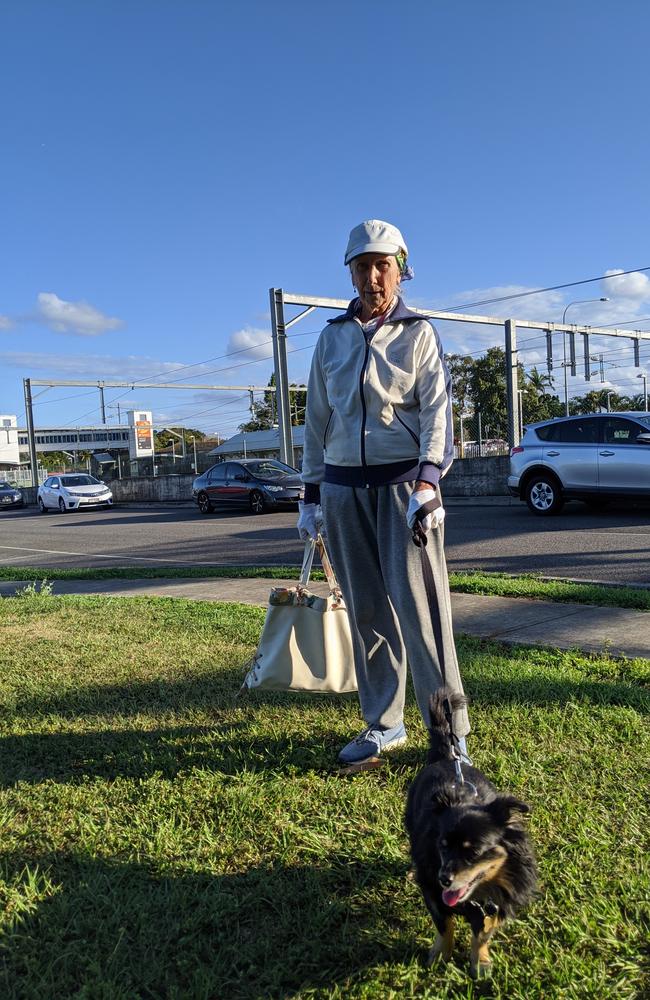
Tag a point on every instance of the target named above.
point(595, 458)
point(72, 491)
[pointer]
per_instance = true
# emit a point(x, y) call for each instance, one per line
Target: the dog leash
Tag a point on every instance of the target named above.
point(420, 539)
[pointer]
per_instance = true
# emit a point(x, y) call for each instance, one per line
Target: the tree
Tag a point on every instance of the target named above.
point(264, 411)
point(536, 403)
point(163, 439)
point(488, 390)
point(54, 460)
point(297, 403)
point(539, 381)
point(460, 368)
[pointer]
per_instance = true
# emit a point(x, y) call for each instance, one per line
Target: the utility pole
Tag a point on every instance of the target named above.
point(29, 413)
point(279, 335)
point(512, 380)
point(101, 403)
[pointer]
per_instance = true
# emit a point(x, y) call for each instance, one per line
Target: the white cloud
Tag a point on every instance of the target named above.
point(251, 343)
point(5, 323)
point(627, 286)
point(74, 317)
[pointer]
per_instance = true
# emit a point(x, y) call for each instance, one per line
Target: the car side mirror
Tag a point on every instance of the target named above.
point(242, 478)
point(55, 486)
point(643, 438)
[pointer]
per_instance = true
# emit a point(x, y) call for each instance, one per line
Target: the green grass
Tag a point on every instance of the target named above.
point(531, 586)
point(160, 839)
point(471, 582)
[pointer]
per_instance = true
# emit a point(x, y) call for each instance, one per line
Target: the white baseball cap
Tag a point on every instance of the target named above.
point(374, 236)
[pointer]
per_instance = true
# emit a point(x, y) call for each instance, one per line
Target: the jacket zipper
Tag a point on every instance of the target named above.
point(363, 406)
point(406, 427)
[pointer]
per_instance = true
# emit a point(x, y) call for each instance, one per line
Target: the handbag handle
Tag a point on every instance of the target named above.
point(307, 560)
point(308, 557)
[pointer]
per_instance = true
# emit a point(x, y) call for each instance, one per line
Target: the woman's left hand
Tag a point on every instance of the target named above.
point(426, 507)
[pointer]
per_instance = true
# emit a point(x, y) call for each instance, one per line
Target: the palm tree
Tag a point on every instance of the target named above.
point(539, 382)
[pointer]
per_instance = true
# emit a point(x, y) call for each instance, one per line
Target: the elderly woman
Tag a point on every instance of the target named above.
point(378, 439)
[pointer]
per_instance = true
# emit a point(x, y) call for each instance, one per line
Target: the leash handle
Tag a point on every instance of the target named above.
point(419, 535)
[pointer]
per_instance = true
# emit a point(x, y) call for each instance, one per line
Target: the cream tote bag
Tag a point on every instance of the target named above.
point(305, 643)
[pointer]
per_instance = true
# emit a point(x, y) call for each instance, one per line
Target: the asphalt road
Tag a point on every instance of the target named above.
point(612, 546)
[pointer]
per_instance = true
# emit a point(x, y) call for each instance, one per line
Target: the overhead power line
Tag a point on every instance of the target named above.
point(537, 291)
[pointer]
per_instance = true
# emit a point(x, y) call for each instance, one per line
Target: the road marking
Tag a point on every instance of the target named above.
point(100, 555)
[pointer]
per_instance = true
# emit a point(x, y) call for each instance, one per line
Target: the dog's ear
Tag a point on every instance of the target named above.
point(506, 809)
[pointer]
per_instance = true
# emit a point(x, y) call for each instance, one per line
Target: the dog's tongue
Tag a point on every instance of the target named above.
point(451, 896)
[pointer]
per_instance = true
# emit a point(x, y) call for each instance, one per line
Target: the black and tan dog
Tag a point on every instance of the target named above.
point(471, 854)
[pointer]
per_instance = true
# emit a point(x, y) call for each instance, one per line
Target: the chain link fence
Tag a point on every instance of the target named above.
point(473, 439)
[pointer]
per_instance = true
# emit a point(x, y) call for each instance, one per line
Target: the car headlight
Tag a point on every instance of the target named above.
point(274, 489)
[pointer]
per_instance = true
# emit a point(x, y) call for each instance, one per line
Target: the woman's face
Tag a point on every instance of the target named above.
point(375, 277)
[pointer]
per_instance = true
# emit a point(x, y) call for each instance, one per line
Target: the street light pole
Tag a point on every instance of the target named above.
point(567, 307)
point(645, 391)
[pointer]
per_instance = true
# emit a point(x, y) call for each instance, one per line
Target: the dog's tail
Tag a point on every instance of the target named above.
point(442, 704)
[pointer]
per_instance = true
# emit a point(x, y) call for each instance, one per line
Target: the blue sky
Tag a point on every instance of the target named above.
point(165, 163)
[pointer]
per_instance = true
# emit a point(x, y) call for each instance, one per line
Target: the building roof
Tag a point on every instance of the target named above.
point(256, 441)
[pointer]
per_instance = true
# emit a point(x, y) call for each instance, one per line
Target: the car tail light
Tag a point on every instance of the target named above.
point(516, 451)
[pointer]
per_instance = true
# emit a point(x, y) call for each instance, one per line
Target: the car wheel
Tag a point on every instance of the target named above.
point(42, 506)
point(544, 494)
point(62, 505)
point(258, 503)
point(203, 503)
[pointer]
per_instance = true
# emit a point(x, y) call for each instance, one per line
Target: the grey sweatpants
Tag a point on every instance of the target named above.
point(380, 573)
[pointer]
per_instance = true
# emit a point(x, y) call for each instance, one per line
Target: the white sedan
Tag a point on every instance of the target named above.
point(72, 491)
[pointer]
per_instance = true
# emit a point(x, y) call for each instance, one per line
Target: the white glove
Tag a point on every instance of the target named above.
point(424, 500)
point(310, 520)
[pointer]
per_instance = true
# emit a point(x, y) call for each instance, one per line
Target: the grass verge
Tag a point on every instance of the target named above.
point(475, 582)
point(159, 839)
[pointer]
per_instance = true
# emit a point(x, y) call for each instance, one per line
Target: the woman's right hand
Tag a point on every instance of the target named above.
point(310, 520)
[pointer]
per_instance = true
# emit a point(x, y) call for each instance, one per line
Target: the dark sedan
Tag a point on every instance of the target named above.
point(10, 496)
point(261, 484)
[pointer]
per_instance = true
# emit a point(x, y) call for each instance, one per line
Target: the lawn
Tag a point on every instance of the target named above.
point(162, 840)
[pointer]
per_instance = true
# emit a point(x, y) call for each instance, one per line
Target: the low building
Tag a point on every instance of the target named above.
point(260, 444)
point(89, 438)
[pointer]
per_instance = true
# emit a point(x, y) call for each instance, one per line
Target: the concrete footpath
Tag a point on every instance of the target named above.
point(617, 631)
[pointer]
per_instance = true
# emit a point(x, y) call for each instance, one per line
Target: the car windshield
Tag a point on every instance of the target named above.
point(645, 419)
point(6, 486)
point(270, 469)
point(79, 481)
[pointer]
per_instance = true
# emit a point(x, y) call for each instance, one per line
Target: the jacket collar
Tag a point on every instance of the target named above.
point(400, 313)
